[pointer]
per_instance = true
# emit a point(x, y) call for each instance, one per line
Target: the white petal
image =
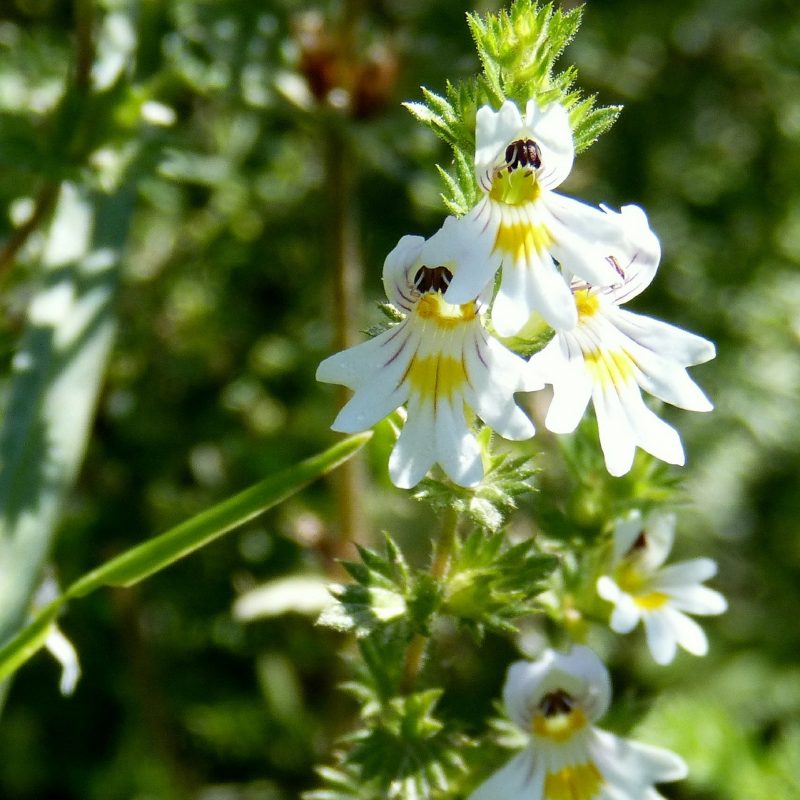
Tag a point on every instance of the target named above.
point(626, 532)
point(685, 573)
point(551, 294)
point(494, 130)
point(578, 672)
point(457, 450)
point(550, 129)
point(616, 436)
point(698, 600)
point(660, 528)
point(608, 589)
point(514, 302)
point(561, 364)
point(625, 616)
point(585, 238)
point(518, 374)
point(661, 637)
point(534, 284)
point(630, 764)
point(415, 451)
point(495, 374)
point(519, 778)
point(672, 384)
point(387, 354)
point(374, 370)
point(668, 340)
point(399, 268)
point(367, 407)
point(638, 260)
point(689, 634)
point(465, 246)
point(652, 433)
point(659, 373)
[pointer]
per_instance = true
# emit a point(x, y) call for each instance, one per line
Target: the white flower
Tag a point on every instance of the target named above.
point(556, 700)
point(55, 642)
point(439, 359)
point(521, 224)
point(611, 353)
point(642, 589)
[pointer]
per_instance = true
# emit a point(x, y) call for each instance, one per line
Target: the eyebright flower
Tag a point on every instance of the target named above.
point(611, 353)
point(555, 700)
point(642, 589)
point(521, 224)
point(439, 359)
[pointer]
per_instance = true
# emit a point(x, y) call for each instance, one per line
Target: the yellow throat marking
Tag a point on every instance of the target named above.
point(559, 727)
point(522, 240)
point(651, 601)
point(515, 188)
point(577, 782)
point(632, 582)
point(587, 304)
point(610, 367)
point(432, 306)
point(437, 375)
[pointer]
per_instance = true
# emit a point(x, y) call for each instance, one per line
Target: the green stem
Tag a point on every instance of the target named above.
point(440, 566)
point(443, 549)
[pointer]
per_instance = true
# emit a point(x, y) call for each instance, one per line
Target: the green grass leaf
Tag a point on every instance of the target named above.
point(157, 553)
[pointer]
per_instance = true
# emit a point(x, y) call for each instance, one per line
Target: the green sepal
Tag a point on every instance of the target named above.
point(407, 751)
point(385, 592)
point(581, 511)
point(489, 503)
point(491, 585)
point(391, 315)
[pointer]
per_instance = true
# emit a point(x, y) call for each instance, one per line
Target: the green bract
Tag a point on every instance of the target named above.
point(518, 50)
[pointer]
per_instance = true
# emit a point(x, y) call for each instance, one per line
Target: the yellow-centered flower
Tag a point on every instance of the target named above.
point(440, 361)
point(642, 589)
point(539, 238)
point(611, 354)
point(555, 700)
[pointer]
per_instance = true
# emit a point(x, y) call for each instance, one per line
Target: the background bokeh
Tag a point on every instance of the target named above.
point(226, 307)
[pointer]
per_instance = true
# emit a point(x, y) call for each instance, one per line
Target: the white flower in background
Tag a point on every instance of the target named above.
point(641, 588)
point(611, 354)
point(555, 700)
point(55, 642)
point(521, 224)
point(439, 360)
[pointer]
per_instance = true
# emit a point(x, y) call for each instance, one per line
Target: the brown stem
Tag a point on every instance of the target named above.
point(84, 43)
point(442, 555)
point(42, 207)
point(347, 302)
point(84, 57)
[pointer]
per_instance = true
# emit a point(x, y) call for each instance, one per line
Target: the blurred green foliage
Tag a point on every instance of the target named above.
point(218, 114)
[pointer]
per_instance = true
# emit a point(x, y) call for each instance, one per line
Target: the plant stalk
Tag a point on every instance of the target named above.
point(345, 257)
point(440, 566)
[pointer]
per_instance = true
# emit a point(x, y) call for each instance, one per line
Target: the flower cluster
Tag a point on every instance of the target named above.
point(522, 255)
point(523, 250)
point(556, 699)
